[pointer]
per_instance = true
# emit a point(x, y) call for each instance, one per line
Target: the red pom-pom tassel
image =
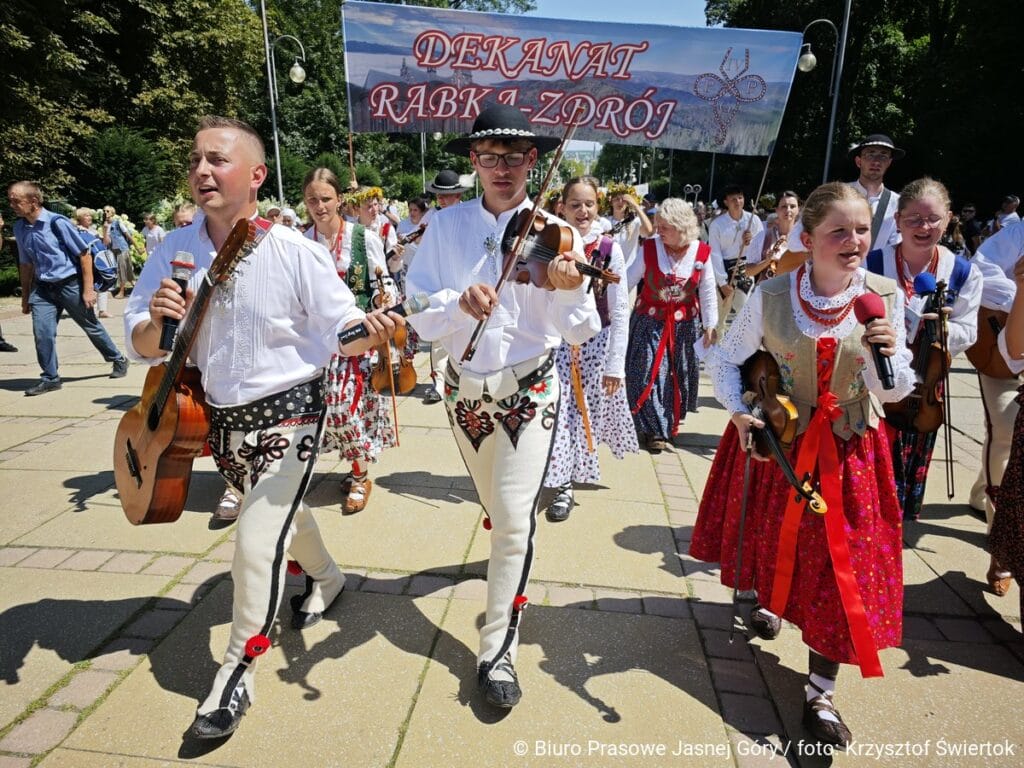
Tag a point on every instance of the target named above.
point(257, 645)
point(487, 523)
point(294, 568)
point(520, 602)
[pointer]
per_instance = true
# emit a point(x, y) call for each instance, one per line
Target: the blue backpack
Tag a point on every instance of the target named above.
point(961, 270)
point(104, 263)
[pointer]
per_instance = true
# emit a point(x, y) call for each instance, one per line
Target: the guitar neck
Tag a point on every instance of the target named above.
point(175, 364)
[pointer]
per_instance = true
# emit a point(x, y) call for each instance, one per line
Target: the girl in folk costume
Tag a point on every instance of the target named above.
point(598, 366)
point(1006, 540)
point(921, 219)
point(676, 307)
point(629, 222)
point(837, 575)
point(358, 419)
point(773, 241)
point(368, 202)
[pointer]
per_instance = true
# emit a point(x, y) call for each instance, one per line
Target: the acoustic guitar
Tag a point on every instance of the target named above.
point(984, 353)
point(158, 439)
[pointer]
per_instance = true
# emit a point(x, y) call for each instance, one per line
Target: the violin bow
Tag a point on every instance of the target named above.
point(387, 355)
point(736, 270)
point(947, 405)
point(521, 238)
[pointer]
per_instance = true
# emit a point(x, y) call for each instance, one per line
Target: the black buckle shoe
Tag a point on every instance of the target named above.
point(559, 509)
point(42, 387)
point(500, 693)
point(765, 625)
point(826, 731)
point(221, 722)
point(305, 619)
point(432, 396)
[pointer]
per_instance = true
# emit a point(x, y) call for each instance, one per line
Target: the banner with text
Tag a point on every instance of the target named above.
point(412, 70)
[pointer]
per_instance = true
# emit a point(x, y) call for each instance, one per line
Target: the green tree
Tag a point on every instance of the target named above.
point(101, 176)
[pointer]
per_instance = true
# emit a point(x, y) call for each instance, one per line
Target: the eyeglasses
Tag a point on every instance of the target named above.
point(919, 221)
point(876, 156)
point(490, 159)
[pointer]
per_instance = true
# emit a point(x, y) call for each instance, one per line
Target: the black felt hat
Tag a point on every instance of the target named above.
point(447, 183)
point(503, 123)
point(877, 140)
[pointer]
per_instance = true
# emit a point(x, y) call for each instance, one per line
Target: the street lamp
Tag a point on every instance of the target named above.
point(809, 61)
point(296, 74)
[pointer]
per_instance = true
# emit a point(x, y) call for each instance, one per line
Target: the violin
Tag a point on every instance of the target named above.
point(760, 374)
point(393, 373)
point(984, 353)
point(410, 237)
point(923, 410)
point(618, 226)
point(544, 243)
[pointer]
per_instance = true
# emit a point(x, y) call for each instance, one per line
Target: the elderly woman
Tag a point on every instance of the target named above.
point(676, 307)
point(118, 240)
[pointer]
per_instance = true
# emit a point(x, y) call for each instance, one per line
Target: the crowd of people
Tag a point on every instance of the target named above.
point(838, 303)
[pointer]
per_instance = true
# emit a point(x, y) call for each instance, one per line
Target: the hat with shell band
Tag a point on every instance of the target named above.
point(501, 123)
point(877, 140)
point(447, 183)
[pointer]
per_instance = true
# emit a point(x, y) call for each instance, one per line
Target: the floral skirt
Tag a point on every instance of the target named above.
point(1006, 542)
point(610, 420)
point(358, 419)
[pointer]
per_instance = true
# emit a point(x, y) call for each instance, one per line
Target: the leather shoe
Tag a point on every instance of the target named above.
point(6, 346)
point(42, 387)
point(500, 693)
point(765, 625)
point(998, 578)
point(221, 722)
point(432, 396)
point(560, 507)
point(304, 619)
point(120, 369)
point(826, 731)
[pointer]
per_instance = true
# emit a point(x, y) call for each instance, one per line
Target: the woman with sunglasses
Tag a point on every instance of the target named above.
point(921, 218)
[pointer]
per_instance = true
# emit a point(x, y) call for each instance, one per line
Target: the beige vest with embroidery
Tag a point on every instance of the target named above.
point(796, 355)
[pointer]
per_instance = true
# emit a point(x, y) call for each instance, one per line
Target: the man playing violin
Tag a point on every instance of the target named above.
point(502, 400)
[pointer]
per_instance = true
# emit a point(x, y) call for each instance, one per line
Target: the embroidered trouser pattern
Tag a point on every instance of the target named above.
point(998, 399)
point(272, 467)
point(506, 445)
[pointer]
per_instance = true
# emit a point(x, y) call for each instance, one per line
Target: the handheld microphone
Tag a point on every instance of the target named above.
point(182, 267)
point(410, 306)
point(868, 307)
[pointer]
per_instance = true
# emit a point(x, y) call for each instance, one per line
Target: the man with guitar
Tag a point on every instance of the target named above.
point(262, 346)
point(502, 394)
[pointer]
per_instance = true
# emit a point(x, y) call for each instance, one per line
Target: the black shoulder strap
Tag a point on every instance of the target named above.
point(876, 220)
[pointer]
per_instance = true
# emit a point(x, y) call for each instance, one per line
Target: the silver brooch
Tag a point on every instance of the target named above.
point(491, 244)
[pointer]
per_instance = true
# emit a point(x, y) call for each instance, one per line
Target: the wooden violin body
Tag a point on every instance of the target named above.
point(545, 242)
point(761, 378)
point(923, 410)
point(393, 374)
point(984, 353)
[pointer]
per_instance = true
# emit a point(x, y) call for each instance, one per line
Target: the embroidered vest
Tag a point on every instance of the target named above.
point(357, 278)
point(663, 293)
point(797, 358)
point(599, 253)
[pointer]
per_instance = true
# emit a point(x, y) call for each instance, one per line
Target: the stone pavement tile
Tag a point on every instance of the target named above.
point(182, 597)
point(358, 670)
point(223, 552)
point(717, 645)
point(384, 583)
point(622, 602)
point(960, 559)
point(750, 714)
point(931, 690)
point(168, 565)
point(87, 560)
point(46, 558)
point(631, 479)
point(18, 431)
point(434, 586)
point(757, 751)
point(1004, 631)
point(79, 758)
point(670, 607)
point(41, 731)
point(203, 572)
point(76, 453)
point(13, 555)
point(152, 624)
point(682, 504)
point(474, 589)
point(963, 630)
point(53, 619)
point(711, 591)
point(698, 569)
point(575, 597)
point(127, 562)
point(605, 544)
point(680, 516)
point(737, 677)
point(121, 654)
point(83, 689)
point(589, 678)
point(921, 628)
point(677, 492)
point(9, 761)
point(714, 616)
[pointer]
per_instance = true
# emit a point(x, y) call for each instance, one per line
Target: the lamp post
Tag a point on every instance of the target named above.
point(809, 61)
point(296, 74)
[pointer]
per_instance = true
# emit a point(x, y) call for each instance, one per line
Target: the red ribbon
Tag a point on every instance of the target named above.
point(352, 370)
point(668, 339)
point(818, 451)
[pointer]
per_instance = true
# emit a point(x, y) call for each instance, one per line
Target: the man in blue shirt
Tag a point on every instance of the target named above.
point(55, 265)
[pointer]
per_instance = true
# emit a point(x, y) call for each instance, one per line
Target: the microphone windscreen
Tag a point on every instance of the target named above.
point(867, 307)
point(924, 284)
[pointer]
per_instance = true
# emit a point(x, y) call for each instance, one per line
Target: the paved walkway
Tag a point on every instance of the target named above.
point(109, 633)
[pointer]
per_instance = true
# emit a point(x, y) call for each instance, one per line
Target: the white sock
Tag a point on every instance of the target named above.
point(829, 687)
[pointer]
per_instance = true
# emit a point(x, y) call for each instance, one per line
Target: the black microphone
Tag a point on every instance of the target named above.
point(182, 267)
point(868, 307)
point(410, 306)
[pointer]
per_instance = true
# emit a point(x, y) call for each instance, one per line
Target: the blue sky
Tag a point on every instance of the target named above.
point(680, 13)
